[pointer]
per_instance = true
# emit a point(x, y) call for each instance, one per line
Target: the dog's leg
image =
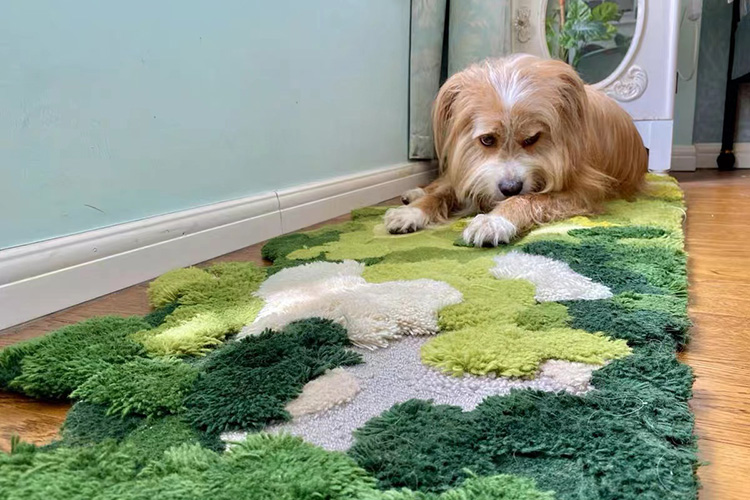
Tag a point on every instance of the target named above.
point(412, 195)
point(436, 204)
point(520, 213)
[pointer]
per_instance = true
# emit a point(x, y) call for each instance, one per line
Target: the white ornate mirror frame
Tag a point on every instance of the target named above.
point(644, 81)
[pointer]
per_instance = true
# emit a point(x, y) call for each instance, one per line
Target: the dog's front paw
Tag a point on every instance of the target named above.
point(405, 220)
point(490, 230)
point(412, 195)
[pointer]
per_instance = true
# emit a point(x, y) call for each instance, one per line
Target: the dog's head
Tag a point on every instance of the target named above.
point(510, 126)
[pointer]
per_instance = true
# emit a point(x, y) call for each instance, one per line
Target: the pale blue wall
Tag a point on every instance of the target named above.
point(144, 107)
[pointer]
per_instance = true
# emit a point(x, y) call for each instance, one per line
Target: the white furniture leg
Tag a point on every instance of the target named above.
point(657, 137)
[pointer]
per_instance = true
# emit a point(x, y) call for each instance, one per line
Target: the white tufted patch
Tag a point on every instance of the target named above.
point(554, 280)
point(331, 389)
point(372, 313)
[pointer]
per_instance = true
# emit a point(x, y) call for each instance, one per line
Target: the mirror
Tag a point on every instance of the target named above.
point(593, 36)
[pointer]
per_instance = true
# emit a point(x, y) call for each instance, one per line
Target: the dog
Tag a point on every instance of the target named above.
point(522, 141)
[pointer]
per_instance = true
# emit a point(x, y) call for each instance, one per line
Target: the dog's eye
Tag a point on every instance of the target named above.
point(487, 140)
point(530, 141)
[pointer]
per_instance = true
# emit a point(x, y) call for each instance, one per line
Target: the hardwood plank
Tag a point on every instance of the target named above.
point(719, 267)
point(719, 353)
point(56, 409)
point(720, 298)
point(726, 473)
point(33, 427)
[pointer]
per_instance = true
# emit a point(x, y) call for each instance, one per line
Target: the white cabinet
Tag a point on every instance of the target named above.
point(636, 67)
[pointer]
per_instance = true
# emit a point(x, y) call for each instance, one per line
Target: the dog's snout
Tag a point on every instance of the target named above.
point(510, 188)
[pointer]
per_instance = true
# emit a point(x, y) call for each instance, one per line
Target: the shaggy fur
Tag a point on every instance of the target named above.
point(524, 141)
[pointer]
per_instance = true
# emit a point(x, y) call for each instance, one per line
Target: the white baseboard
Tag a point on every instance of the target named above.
point(307, 205)
point(683, 159)
point(48, 276)
point(703, 156)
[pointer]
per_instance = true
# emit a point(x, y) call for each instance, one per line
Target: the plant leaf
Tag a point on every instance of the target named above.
point(605, 12)
point(577, 10)
point(588, 30)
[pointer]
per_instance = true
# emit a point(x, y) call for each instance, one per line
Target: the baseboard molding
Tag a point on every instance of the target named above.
point(48, 276)
point(703, 156)
point(302, 207)
point(706, 154)
point(683, 159)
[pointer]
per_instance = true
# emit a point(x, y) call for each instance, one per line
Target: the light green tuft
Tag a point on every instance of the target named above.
point(211, 304)
point(663, 187)
point(498, 328)
point(198, 335)
point(372, 240)
point(514, 352)
point(170, 286)
point(543, 316)
point(644, 212)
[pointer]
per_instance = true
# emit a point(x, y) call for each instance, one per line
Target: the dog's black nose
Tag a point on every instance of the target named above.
point(510, 188)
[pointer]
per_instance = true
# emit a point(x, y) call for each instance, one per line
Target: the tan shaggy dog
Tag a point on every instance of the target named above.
point(523, 141)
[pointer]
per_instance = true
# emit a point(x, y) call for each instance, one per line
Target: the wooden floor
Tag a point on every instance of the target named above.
point(718, 239)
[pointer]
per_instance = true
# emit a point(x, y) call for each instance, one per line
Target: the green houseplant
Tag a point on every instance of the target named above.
point(574, 25)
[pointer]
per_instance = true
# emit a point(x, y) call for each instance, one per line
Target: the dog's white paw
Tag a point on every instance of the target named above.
point(490, 230)
point(412, 195)
point(405, 220)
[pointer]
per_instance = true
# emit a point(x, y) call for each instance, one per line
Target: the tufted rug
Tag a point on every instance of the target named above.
point(363, 365)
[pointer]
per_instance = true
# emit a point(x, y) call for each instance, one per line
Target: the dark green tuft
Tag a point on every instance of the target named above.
point(604, 256)
point(277, 249)
point(653, 367)
point(637, 326)
point(420, 446)
point(630, 439)
point(369, 213)
point(247, 383)
point(89, 423)
point(613, 233)
point(153, 437)
point(158, 316)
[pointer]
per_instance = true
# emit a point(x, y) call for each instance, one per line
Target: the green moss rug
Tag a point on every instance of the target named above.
point(363, 365)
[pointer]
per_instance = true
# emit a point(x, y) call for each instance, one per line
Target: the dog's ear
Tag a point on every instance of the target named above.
point(442, 113)
point(572, 93)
